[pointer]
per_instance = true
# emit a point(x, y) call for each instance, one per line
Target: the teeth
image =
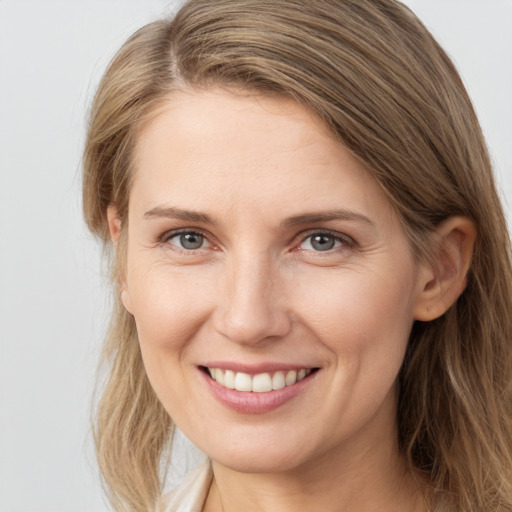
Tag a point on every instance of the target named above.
point(219, 376)
point(291, 378)
point(229, 379)
point(278, 380)
point(243, 382)
point(260, 383)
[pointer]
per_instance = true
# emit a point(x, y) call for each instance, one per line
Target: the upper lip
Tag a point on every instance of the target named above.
point(254, 369)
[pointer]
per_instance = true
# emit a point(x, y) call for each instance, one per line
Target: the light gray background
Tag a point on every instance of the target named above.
point(53, 297)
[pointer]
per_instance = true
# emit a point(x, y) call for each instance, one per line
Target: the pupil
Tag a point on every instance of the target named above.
point(191, 240)
point(322, 242)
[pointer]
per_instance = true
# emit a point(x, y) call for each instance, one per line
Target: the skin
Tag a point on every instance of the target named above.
point(257, 291)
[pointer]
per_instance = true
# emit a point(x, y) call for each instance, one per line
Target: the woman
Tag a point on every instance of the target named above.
point(312, 267)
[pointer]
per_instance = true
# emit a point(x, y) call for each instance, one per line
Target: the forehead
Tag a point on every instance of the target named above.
point(248, 122)
point(241, 148)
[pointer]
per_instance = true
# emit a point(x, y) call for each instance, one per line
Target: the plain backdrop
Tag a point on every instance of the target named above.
point(53, 293)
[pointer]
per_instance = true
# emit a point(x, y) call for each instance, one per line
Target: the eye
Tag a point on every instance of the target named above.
point(188, 240)
point(322, 242)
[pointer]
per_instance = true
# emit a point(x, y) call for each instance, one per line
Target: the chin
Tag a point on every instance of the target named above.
point(267, 462)
point(259, 455)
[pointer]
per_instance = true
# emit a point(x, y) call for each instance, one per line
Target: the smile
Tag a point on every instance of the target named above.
point(259, 383)
point(250, 392)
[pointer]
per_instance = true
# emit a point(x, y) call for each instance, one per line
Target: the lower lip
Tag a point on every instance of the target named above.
point(255, 403)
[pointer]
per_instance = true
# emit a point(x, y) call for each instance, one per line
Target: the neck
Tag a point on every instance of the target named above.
point(373, 479)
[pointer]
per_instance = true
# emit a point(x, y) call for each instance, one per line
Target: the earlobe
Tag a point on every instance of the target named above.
point(114, 223)
point(444, 280)
point(126, 300)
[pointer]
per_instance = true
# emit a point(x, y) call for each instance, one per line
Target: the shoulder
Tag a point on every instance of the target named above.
point(191, 494)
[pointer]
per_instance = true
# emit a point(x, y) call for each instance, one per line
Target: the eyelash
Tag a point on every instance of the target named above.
point(344, 240)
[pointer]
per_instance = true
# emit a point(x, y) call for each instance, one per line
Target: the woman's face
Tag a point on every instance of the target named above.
point(261, 252)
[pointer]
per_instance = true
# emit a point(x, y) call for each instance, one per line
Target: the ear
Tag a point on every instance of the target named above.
point(444, 280)
point(114, 226)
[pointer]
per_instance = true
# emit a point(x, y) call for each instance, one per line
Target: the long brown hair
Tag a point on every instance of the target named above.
point(388, 92)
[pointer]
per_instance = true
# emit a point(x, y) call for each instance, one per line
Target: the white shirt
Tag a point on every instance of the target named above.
point(191, 494)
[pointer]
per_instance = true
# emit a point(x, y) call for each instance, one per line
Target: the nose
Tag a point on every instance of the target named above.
point(251, 306)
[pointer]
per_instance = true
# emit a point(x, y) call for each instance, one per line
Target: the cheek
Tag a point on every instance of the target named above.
point(169, 306)
point(364, 321)
point(354, 312)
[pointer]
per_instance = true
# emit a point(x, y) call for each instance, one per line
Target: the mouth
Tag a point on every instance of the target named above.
point(257, 383)
point(255, 391)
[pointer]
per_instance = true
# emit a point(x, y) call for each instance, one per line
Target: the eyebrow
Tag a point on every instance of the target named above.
point(178, 213)
point(306, 218)
point(316, 217)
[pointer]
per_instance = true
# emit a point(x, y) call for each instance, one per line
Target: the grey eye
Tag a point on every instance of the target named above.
point(321, 242)
point(189, 241)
